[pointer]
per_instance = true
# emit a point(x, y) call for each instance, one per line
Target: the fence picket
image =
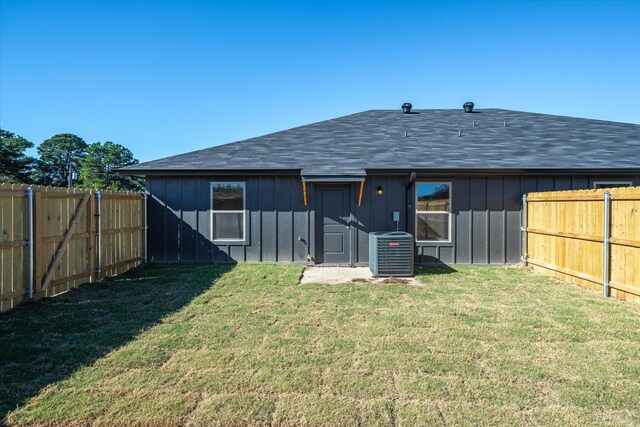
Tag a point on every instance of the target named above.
point(565, 233)
point(53, 211)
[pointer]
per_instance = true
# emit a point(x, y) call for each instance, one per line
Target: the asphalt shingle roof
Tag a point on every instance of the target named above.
point(435, 140)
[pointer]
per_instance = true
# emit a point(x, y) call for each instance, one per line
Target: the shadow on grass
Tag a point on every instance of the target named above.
point(46, 341)
point(435, 270)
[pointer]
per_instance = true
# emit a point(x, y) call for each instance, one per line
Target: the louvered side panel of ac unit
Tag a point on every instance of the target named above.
point(391, 254)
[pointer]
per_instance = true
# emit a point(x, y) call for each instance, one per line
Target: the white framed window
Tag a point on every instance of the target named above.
point(228, 204)
point(609, 184)
point(433, 212)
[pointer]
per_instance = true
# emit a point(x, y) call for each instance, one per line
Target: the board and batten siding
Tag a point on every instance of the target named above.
point(180, 220)
point(279, 228)
point(486, 216)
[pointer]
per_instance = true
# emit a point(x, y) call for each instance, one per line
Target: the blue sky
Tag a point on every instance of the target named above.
point(168, 77)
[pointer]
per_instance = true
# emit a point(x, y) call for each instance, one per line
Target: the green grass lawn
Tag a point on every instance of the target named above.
point(244, 345)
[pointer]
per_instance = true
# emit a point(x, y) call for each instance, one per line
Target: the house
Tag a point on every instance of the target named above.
point(452, 178)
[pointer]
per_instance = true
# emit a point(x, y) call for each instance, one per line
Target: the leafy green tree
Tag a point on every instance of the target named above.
point(56, 153)
point(97, 167)
point(14, 163)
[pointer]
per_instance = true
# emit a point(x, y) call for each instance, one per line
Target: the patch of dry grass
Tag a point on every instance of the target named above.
point(247, 346)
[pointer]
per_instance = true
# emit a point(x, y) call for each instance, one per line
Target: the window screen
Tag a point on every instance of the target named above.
point(611, 184)
point(433, 211)
point(227, 213)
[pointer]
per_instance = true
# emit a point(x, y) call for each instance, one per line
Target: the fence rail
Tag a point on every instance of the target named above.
point(587, 237)
point(54, 239)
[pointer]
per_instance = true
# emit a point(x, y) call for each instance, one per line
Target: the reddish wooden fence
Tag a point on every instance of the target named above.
point(77, 236)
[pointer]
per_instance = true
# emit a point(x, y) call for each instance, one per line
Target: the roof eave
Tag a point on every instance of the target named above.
point(197, 172)
point(395, 171)
point(507, 171)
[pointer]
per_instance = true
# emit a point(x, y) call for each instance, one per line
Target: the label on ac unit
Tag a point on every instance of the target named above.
point(394, 243)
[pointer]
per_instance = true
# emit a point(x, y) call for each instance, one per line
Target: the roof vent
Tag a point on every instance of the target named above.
point(406, 108)
point(468, 107)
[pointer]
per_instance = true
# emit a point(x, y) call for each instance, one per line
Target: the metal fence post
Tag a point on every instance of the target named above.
point(605, 244)
point(29, 195)
point(146, 226)
point(98, 237)
point(523, 229)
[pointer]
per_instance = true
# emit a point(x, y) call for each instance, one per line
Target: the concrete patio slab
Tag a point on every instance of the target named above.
point(338, 275)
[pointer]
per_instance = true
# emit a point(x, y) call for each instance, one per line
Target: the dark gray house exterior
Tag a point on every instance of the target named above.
point(453, 179)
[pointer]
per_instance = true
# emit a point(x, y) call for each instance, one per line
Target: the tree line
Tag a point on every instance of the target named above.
point(65, 159)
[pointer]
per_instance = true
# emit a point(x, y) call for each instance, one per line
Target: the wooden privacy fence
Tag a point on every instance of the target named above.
point(54, 239)
point(587, 237)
